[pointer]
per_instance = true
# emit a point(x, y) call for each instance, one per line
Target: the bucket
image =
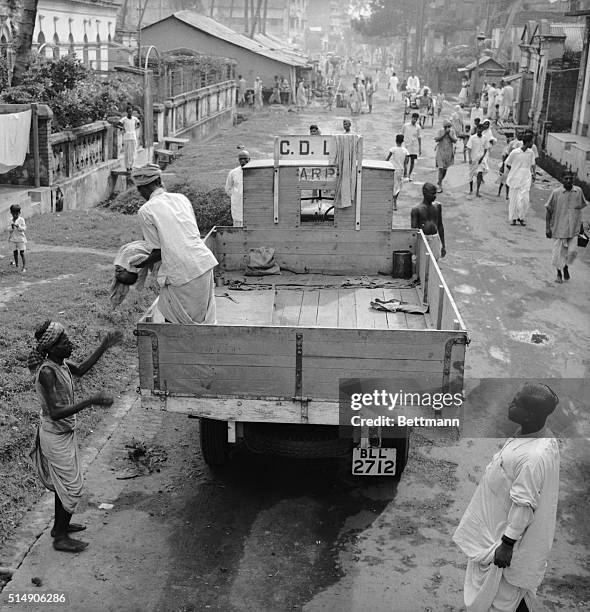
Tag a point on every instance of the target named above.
point(402, 264)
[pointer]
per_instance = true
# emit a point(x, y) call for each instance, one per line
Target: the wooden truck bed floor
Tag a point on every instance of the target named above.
point(308, 300)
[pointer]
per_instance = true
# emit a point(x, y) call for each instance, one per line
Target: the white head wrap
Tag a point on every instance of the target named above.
point(146, 174)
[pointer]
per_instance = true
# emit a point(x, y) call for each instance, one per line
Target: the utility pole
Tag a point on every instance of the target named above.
point(139, 33)
point(420, 15)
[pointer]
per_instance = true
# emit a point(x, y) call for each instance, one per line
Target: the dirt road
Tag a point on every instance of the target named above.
point(268, 535)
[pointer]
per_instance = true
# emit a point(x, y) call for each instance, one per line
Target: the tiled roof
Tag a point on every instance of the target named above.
point(218, 30)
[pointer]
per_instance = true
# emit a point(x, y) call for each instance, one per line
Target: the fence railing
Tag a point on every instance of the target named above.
point(180, 113)
point(81, 149)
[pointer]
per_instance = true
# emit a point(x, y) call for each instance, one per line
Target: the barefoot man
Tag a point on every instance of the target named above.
point(427, 216)
point(56, 449)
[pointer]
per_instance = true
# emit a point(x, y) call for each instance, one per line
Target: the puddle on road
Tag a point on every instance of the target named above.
point(465, 289)
point(533, 336)
point(499, 354)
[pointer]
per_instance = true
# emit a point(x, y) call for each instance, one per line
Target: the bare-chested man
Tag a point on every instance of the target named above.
point(427, 216)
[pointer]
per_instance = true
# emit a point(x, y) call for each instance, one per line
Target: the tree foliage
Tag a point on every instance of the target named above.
point(386, 18)
point(451, 59)
point(75, 94)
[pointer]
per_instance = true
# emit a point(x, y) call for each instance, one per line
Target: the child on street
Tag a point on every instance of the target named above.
point(399, 159)
point(502, 170)
point(17, 239)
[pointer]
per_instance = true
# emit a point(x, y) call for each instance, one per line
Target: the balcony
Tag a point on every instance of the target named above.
point(575, 8)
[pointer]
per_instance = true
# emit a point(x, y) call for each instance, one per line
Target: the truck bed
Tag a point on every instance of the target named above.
point(317, 300)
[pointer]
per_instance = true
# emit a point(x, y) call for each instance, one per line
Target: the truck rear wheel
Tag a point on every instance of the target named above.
point(402, 446)
point(213, 436)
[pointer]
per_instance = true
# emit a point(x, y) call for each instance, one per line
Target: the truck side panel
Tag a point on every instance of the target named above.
point(288, 362)
point(331, 354)
point(321, 250)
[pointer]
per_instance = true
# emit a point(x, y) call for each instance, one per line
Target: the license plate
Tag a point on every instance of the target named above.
point(373, 461)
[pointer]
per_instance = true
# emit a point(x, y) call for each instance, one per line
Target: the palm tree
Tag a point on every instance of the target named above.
point(25, 25)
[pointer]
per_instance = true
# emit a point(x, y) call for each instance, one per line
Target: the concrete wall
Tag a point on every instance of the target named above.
point(572, 152)
point(173, 34)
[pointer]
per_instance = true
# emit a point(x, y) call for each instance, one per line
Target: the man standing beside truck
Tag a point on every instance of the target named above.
point(170, 228)
point(427, 216)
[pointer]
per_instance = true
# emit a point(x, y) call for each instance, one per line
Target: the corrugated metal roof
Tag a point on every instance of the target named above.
point(573, 32)
point(214, 28)
point(482, 60)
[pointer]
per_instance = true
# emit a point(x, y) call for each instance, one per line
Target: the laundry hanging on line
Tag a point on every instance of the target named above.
point(14, 139)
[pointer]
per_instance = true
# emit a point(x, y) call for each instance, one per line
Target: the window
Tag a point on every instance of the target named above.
point(98, 53)
point(55, 49)
point(85, 59)
point(317, 206)
point(71, 48)
point(41, 41)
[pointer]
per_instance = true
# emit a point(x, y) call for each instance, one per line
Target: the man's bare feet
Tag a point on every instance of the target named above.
point(566, 273)
point(67, 544)
point(559, 279)
point(72, 528)
point(513, 222)
point(521, 221)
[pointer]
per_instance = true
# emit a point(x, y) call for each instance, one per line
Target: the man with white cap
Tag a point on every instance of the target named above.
point(507, 530)
point(186, 273)
point(234, 187)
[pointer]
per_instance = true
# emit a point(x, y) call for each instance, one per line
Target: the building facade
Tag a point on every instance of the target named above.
point(85, 28)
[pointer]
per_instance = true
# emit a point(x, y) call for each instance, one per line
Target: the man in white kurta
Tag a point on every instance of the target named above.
point(507, 101)
point(170, 228)
point(234, 187)
point(521, 174)
point(507, 530)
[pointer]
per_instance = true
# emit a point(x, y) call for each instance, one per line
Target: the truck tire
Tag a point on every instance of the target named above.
point(303, 441)
point(402, 446)
point(213, 436)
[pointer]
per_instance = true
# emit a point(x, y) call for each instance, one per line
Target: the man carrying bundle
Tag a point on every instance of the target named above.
point(186, 273)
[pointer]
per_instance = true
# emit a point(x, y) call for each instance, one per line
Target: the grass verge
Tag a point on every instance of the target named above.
point(72, 287)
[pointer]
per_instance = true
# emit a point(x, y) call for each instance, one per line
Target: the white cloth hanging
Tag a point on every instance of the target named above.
point(14, 139)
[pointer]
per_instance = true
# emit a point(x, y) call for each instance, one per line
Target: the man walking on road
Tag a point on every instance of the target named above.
point(427, 216)
point(392, 88)
point(412, 134)
point(521, 174)
point(234, 188)
point(507, 530)
point(129, 125)
point(445, 151)
point(56, 448)
point(477, 148)
point(241, 91)
point(563, 220)
point(170, 228)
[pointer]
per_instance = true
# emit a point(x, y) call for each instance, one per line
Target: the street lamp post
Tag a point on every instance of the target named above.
point(480, 39)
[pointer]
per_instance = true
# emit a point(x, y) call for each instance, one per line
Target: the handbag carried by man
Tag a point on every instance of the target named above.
point(583, 238)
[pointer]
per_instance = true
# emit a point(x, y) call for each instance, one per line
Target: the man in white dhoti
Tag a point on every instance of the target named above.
point(56, 450)
point(521, 175)
point(563, 222)
point(170, 228)
point(129, 124)
point(507, 530)
point(234, 187)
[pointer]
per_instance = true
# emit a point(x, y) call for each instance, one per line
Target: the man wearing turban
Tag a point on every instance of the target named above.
point(56, 450)
point(507, 530)
point(187, 289)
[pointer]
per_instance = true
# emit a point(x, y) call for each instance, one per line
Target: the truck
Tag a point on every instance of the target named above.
point(267, 374)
